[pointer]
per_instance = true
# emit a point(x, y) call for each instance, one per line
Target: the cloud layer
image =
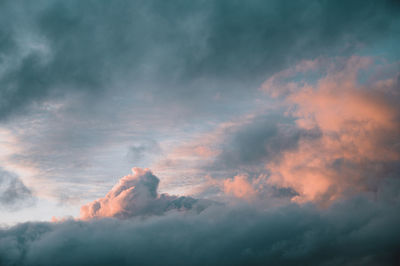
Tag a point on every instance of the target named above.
point(355, 232)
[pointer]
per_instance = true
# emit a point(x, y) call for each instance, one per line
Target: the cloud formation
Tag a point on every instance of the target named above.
point(136, 195)
point(359, 129)
point(333, 132)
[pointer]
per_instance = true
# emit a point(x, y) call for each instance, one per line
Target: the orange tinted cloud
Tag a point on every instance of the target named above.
point(239, 187)
point(360, 133)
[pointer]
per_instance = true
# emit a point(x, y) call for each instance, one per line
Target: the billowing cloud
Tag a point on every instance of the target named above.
point(136, 195)
point(359, 125)
point(239, 186)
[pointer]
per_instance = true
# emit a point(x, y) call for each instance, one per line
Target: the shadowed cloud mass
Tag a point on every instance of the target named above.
point(355, 232)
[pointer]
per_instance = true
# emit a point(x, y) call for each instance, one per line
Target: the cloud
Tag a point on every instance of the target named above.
point(359, 125)
point(13, 192)
point(335, 132)
point(136, 195)
point(263, 138)
point(357, 231)
point(239, 186)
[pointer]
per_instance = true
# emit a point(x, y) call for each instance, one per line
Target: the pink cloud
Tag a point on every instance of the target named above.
point(239, 186)
point(360, 131)
point(136, 195)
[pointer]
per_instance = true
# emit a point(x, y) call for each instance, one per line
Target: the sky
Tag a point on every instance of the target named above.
point(199, 132)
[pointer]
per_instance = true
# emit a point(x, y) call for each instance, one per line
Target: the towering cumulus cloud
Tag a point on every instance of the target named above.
point(136, 195)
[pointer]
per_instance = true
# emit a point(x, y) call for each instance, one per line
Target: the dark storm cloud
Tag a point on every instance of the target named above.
point(13, 192)
point(179, 49)
point(354, 232)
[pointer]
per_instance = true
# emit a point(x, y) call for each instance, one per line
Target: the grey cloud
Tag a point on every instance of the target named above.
point(175, 50)
point(13, 192)
point(354, 232)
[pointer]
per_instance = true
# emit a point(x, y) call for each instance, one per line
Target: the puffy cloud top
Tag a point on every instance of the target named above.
point(136, 195)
